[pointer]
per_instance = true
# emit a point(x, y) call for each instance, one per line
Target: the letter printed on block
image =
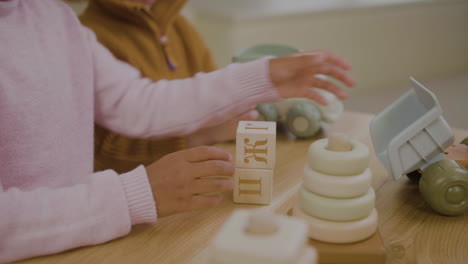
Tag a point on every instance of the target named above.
point(256, 145)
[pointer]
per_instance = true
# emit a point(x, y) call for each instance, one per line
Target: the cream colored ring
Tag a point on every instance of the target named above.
point(338, 163)
point(339, 232)
point(337, 209)
point(337, 186)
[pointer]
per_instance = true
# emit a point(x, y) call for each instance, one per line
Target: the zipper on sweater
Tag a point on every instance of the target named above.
point(165, 43)
point(164, 40)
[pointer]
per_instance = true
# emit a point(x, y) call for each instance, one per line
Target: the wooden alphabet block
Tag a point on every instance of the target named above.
point(256, 145)
point(243, 239)
point(253, 186)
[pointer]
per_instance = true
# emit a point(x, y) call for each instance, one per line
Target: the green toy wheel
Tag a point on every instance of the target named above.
point(444, 186)
point(303, 120)
point(267, 112)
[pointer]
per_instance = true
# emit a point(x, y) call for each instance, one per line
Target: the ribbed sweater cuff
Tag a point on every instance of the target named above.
point(141, 204)
point(255, 82)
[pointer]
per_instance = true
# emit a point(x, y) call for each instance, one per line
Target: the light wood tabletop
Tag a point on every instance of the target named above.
point(411, 231)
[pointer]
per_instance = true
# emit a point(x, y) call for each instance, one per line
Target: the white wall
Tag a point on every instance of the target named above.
point(385, 44)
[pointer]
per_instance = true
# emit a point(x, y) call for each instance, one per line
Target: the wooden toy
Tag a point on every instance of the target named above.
point(257, 237)
point(446, 177)
point(256, 145)
point(368, 251)
point(262, 223)
point(410, 135)
point(339, 232)
point(339, 142)
point(301, 116)
point(253, 186)
point(464, 142)
point(255, 161)
point(337, 186)
point(337, 209)
point(459, 153)
point(350, 162)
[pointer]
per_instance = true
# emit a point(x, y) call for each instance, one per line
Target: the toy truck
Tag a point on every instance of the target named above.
point(410, 136)
point(301, 116)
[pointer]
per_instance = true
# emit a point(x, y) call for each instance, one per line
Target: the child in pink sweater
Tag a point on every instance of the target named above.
point(56, 80)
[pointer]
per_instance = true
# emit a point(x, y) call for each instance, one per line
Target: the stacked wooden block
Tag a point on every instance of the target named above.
point(255, 162)
point(336, 197)
point(256, 237)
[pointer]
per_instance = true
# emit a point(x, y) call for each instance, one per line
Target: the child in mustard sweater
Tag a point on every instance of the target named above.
point(156, 39)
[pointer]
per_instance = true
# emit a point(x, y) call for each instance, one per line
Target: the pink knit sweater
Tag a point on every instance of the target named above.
point(55, 81)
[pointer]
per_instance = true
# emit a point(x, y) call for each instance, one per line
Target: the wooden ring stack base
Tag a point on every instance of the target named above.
point(336, 197)
point(333, 209)
point(339, 232)
point(338, 163)
point(337, 186)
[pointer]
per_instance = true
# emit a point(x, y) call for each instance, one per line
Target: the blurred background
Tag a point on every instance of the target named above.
point(387, 41)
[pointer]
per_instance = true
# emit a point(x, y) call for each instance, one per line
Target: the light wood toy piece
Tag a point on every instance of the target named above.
point(339, 232)
point(253, 186)
point(338, 163)
point(334, 209)
point(259, 237)
point(459, 153)
point(335, 214)
point(256, 145)
point(337, 186)
point(368, 251)
point(339, 142)
point(255, 161)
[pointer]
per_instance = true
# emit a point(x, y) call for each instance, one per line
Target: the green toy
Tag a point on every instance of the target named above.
point(301, 116)
point(409, 137)
point(465, 141)
point(444, 185)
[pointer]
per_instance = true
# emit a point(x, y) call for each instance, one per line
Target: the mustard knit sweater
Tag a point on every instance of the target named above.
point(163, 45)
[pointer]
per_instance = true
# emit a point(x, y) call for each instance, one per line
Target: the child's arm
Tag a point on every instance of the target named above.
point(45, 221)
point(136, 107)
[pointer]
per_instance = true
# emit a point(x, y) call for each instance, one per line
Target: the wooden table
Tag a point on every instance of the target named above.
point(411, 231)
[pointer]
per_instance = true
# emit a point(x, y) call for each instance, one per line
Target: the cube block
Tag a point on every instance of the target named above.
point(253, 186)
point(256, 145)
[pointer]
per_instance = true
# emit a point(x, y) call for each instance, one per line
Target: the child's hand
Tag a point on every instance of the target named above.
point(177, 179)
point(294, 75)
point(458, 152)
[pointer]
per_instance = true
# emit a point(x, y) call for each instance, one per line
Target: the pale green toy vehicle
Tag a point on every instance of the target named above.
point(410, 137)
point(301, 116)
